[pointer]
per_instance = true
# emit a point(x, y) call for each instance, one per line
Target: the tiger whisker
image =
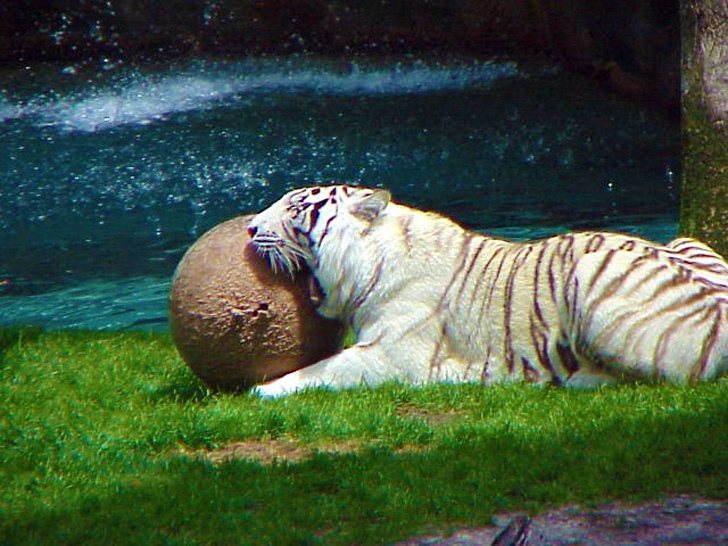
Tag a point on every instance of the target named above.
point(280, 253)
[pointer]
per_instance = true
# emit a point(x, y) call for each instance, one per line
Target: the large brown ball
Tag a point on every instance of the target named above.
point(235, 322)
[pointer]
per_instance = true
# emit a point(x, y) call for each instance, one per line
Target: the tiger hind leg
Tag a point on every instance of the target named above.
point(652, 319)
point(700, 258)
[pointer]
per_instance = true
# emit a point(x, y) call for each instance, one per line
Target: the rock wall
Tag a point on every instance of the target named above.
point(634, 46)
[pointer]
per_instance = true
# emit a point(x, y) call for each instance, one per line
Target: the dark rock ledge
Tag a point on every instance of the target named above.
point(680, 519)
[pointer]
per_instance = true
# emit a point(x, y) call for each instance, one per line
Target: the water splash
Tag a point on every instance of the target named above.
point(9, 111)
point(142, 102)
point(144, 99)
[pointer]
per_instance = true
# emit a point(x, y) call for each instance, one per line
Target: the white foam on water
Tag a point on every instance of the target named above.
point(139, 103)
point(9, 111)
point(147, 99)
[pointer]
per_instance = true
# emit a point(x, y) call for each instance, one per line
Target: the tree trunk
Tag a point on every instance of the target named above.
point(704, 213)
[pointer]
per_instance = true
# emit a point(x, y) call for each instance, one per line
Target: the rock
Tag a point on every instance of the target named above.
point(677, 519)
point(712, 54)
point(235, 322)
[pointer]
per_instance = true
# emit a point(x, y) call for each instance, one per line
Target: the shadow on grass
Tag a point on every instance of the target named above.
point(186, 387)
point(379, 496)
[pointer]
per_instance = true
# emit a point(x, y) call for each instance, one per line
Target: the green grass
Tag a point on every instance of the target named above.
point(92, 427)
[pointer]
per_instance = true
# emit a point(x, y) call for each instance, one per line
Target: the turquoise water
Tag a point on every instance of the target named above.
point(108, 173)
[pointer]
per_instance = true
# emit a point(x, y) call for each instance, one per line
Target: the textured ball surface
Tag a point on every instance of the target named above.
point(235, 322)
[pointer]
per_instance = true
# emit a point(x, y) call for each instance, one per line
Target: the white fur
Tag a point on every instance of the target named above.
point(430, 301)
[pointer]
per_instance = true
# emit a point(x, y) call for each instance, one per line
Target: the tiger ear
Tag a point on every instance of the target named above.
point(368, 207)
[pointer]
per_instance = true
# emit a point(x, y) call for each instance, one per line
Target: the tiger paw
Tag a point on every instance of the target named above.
point(269, 390)
point(275, 389)
point(288, 384)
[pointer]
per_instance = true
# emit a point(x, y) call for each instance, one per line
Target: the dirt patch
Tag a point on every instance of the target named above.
point(679, 519)
point(431, 416)
point(267, 451)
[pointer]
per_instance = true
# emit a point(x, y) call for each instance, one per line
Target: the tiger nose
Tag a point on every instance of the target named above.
point(252, 230)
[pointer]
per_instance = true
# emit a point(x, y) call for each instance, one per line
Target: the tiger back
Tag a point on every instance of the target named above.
point(430, 301)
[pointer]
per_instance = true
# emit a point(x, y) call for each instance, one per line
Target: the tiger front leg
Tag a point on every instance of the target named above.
point(359, 365)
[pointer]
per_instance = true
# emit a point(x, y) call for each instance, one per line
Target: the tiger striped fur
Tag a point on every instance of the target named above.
point(430, 301)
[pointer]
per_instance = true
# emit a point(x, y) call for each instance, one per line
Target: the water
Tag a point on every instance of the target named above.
point(107, 175)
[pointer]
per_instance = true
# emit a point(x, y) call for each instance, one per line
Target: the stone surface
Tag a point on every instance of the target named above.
point(704, 196)
point(235, 322)
point(712, 55)
point(680, 519)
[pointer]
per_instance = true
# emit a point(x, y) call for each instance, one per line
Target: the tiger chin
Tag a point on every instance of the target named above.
point(430, 301)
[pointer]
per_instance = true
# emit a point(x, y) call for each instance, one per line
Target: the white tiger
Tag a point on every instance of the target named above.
point(430, 301)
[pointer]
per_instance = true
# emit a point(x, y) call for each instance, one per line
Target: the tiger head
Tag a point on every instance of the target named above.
point(291, 231)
